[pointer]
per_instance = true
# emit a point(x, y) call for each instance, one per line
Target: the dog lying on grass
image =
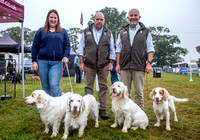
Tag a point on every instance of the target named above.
point(34, 77)
point(78, 110)
point(125, 110)
point(52, 109)
point(162, 102)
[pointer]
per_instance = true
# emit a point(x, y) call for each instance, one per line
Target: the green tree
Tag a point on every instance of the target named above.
point(166, 47)
point(73, 37)
point(198, 49)
point(15, 34)
point(114, 20)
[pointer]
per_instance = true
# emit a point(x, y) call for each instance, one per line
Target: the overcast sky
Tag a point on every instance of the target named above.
point(182, 17)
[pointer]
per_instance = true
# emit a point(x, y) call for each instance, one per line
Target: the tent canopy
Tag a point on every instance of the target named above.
point(7, 44)
point(11, 11)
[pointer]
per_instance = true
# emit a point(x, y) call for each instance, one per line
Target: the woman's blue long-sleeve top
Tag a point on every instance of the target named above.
point(50, 46)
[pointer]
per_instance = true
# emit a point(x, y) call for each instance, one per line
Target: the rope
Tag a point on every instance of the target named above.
point(69, 77)
point(62, 78)
point(66, 65)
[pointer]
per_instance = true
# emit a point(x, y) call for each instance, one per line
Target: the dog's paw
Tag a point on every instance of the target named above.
point(46, 131)
point(157, 124)
point(144, 128)
point(96, 125)
point(134, 128)
point(65, 136)
point(80, 134)
point(124, 130)
point(175, 119)
point(54, 134)
point(114, 125)
point(168, 128)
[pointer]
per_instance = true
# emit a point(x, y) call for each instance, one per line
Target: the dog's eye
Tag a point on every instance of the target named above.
point(72, 100)
point(118, 85)
point(161, 93)
point(79, 100)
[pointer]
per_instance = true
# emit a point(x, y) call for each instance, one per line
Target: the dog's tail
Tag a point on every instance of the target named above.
point(179, 99)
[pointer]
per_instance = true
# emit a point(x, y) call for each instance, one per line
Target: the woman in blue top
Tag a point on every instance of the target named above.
point(51, 47)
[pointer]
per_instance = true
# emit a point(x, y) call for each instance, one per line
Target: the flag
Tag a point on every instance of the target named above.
point(81, 19)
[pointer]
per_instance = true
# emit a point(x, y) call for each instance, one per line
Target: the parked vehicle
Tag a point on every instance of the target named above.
point(193, 66)
point(28, 66)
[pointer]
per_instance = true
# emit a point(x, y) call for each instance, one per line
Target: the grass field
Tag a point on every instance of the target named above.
point(21, 122)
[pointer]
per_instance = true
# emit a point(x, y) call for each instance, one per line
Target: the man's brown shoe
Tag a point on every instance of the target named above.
point(103, 114)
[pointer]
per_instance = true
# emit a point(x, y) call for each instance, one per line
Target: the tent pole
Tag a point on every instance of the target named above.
point(19, 59)
point(22, 49)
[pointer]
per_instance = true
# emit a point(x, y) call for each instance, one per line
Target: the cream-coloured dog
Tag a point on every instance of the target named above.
point(162, 101)
point(78, 111)
point(125, 110)
point(52, 109)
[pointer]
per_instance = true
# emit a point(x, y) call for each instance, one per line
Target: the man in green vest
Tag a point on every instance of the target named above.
point(96, 54)
point(134, 55)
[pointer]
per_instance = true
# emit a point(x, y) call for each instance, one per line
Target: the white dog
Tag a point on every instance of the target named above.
point(52, 109)
point(125, 110)
point(161, 104)
point(78, 111)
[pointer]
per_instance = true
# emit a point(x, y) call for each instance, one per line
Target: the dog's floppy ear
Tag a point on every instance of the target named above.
point(152, 94)
point(82, 105)
point(40, 101)
point(165, 94)
point(125, 93)
point(111, 91)
point(69, 104)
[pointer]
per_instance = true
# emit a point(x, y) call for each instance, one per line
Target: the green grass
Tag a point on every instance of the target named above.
point(19, 121)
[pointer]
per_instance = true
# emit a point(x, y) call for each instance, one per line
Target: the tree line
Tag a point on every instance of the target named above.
point(167, 47)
